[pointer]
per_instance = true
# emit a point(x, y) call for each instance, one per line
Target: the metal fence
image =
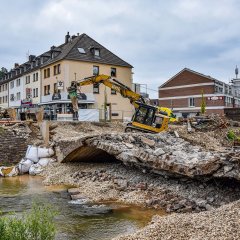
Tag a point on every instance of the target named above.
point(53, 114)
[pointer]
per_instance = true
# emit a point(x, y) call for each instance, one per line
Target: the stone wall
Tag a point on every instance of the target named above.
point(12, 147)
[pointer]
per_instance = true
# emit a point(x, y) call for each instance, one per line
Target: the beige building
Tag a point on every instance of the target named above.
point(78, 58)
point(4, 94)
point(44, 79)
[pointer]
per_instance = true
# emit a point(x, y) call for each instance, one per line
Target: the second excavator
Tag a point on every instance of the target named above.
point(146, 118)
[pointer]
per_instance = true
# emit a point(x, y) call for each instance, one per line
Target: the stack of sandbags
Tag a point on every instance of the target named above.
point(36, 158)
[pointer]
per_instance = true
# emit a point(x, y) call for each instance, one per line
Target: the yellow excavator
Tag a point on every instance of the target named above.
point(147, 118)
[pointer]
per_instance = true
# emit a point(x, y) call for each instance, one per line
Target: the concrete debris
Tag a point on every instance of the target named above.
point(162, 153)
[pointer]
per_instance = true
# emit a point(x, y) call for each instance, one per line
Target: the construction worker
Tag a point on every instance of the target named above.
point(72, 91)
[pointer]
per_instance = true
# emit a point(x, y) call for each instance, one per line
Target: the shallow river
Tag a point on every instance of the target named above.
point(76, 220)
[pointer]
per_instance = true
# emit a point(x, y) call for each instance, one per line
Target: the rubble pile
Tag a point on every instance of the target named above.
point(115, 182)
point(162, 153)
point(221, 224)
point(18, 129)
point(210, 123)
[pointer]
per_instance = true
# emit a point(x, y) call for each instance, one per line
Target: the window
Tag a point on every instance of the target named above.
point(6, 87)
point(97, 52)
point(47, 90)
point(18, 82)
point(27, 79)
point(47, 73)
point(18, 96)
point(12, 84)
point(36, 77)
point(12, 97)
point(35, 92)
point(57, 69)
point(0, 100)
point(113, 72)
point(95, 70)
point(81, 50)
point(0, 88)
point(55, 88)
point(96, 88)
point(191, 102)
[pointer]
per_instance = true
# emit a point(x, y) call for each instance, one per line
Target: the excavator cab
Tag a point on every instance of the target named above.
point(148, 118)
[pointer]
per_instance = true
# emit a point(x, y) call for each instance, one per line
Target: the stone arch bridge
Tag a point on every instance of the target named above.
point(162, 154)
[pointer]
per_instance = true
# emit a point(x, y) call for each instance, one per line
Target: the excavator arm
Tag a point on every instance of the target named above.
point(145, 117)
point(114, 84)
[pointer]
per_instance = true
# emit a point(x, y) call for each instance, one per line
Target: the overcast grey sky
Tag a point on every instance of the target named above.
point(157, 37)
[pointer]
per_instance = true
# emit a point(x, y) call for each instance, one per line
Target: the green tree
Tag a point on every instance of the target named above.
point(203, 104)
point(38, 224)
point(2, 71)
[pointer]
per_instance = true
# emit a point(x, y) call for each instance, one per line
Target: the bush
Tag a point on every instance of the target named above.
point(38, 224)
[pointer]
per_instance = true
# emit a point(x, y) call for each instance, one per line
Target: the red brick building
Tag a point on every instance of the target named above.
point(183, 94)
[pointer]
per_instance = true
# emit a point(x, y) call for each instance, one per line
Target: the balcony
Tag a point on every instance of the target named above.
point(63, 98)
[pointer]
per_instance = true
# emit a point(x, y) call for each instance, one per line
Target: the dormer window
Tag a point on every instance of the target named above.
point(96, 52)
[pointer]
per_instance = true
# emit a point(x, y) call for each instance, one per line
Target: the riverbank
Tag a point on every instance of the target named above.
point(220, 224)
point(99, 182)
point(117, 182)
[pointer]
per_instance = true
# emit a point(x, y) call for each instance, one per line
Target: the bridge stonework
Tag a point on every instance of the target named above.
point(162, 154)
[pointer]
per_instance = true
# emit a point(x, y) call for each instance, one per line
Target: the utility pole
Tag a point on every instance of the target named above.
point(105, 104)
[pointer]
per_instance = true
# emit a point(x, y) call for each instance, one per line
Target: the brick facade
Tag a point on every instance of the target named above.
point(185, 78)
point(178, 90)
point(12, 148)
point(186, 91)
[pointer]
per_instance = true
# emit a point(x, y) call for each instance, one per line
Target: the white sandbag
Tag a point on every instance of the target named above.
point(45, 152)
point(24, 165)
point(44, 161)
point(35, 169)
point(32, 153)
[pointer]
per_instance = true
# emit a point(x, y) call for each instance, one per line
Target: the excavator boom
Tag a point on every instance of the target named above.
point(114, 84)
point(146, 118)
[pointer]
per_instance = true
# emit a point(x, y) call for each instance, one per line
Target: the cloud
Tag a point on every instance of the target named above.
point(157, 37)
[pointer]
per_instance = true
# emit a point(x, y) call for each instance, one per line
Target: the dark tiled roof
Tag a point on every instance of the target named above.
point(70, 51)
point(106, 56)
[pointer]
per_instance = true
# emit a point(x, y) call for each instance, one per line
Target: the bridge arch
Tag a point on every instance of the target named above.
point(89, 154)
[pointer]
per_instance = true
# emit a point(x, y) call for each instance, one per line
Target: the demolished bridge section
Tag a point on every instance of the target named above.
point(163, 154)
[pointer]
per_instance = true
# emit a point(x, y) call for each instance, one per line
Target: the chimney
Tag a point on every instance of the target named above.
point(16, 65)
point(31, 58)
point(67, 37)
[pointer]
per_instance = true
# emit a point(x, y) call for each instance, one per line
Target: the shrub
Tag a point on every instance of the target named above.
point(38, 224)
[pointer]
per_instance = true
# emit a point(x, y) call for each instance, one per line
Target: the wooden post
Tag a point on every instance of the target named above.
point(45, 132)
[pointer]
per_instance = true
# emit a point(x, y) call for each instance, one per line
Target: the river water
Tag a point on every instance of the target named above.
point(75, 219)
